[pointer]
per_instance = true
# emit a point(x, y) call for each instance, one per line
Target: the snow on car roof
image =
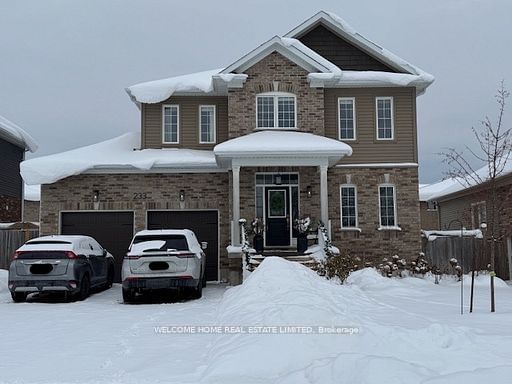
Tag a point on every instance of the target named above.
point(119, 153)
point(148, 232)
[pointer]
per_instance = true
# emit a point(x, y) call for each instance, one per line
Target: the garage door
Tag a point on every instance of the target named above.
point(113, 230)
point(205, 224)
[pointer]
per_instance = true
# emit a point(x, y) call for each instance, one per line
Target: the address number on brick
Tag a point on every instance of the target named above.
point(141, 196)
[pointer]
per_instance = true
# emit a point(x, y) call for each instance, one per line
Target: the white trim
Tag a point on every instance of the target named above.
point(214, 122)
point(378, 165)
point(276, 44)
point(392, 106)
point(481, 219)
point(388, 227)
point(177, 123)
point(354, 118)
point(276, 96)
point(356, 227)
point(198, 209)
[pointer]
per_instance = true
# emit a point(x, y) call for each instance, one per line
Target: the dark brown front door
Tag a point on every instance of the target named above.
point(205, 224)
point(277, 216)
point(113, 230)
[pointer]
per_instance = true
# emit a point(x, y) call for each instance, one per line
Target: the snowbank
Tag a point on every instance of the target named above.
point(11, 129)
point(119, 153)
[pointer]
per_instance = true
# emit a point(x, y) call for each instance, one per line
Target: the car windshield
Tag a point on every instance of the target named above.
point(178, 242)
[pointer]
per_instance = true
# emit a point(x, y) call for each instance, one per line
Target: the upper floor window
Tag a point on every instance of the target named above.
point(276, 110)
point(348, 198)
point(387, 205)
point(385, 123)
point(478, 214)
point(170, 122)
point(346, 118)
point(207, 124)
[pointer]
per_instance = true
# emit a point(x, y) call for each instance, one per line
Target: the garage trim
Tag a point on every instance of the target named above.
point(196, 210)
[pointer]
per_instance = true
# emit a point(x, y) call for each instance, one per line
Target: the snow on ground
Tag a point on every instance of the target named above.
point(395, 331)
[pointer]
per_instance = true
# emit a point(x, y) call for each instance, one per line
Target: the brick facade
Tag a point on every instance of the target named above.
point(10, 209)
point(288, 77)
point(429, 217)
point(202, 191)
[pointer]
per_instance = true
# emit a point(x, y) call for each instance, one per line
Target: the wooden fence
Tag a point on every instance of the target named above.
point(475, 254)
point(10, 240)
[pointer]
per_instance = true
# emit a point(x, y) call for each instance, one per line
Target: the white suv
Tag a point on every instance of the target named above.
point(164, 259)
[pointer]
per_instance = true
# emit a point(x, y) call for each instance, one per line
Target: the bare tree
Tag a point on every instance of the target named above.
point(493, 153)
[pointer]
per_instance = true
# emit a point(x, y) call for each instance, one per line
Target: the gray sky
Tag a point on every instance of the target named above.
point(64, 64)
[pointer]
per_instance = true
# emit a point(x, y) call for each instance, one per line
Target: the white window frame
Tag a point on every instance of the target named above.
point(214, 127)
point(478, 206)
point(394, 207)
point(356, 208)
point(353, 100)
point(392, 106)
point(177, 123)
point(276, 96)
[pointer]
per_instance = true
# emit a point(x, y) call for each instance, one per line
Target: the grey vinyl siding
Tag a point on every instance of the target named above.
point(188, 121)
point(340, 52)
point(366, 147)
point(10, 179)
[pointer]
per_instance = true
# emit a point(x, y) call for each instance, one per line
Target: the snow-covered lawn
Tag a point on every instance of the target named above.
point(403, 331)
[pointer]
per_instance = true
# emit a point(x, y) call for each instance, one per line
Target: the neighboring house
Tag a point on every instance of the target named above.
point(456, 200)
point(429, 213)
point(31, 203)
point(318, 123)
point(14, 142)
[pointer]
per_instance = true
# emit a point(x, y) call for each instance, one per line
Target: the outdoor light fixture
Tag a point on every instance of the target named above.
point(182, 195)
point(309, 193)
point(96, 196)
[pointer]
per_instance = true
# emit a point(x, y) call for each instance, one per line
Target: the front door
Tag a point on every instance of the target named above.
point(277, 216)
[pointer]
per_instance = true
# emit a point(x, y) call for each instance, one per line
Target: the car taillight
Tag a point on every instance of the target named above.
point(185, 255)
point(71, 255)
point(16, 254)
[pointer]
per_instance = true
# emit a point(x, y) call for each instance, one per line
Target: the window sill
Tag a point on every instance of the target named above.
point(276, 129)
point(390, 228)
point(351, 229)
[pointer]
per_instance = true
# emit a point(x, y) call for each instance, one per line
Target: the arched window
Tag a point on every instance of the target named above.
point(276, 110)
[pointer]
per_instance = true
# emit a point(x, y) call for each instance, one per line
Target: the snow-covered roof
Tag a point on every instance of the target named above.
point(427, 191)
point(14, 134)
point(32, 192)
point(268, 144)
point(322, 73)
point(347, 32)
point(120, 153)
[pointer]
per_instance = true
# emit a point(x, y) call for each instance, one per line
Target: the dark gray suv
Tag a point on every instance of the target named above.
point(69, 264)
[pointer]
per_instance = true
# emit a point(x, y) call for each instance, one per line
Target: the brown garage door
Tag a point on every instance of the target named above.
point(205, 224)
point(113, 230)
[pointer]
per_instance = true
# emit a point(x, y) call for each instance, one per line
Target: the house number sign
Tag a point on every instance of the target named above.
point(141, 195)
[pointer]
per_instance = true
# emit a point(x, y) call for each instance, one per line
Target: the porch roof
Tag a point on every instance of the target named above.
point(290, 148)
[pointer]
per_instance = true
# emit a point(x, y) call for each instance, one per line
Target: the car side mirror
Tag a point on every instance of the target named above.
point(204, 244)
point(104, 252)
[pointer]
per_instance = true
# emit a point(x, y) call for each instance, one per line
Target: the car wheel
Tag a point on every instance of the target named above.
point(110, 278)
point(85, 287)
point(197, 292)
point(128, 296)
point(204, 280)
point(18, 297)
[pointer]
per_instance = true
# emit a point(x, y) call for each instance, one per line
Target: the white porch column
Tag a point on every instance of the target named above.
point(324, 196)
point(236, 205)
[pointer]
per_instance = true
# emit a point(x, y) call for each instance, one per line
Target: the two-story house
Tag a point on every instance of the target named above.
point(320, 122)
point(14, 142)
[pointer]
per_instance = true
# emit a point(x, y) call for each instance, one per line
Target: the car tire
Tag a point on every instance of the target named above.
point(128, 296)
point(197, 292)
point(204, 280)
point(18, 297)
point(110, 277)
point(85, 287)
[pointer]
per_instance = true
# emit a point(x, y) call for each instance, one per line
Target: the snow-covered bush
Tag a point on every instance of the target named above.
point(339, 265)
point(257, 226)
point(397, 267)
point(302, 225)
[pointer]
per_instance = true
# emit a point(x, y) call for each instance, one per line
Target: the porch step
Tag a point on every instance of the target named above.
point(305, 260)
